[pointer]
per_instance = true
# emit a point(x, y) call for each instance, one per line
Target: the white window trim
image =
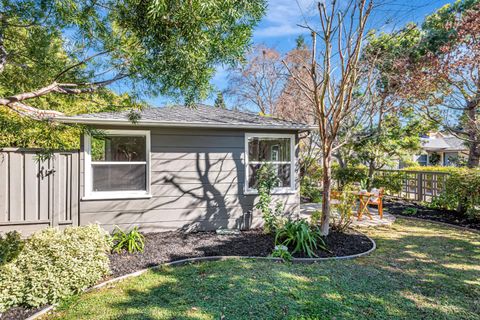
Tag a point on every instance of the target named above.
point(292, 162)
point(89, 194)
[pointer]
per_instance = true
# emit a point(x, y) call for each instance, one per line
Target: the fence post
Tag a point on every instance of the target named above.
point(419, 186)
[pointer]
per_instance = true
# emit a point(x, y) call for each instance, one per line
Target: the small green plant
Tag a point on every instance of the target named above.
point(132, 241)
point(267, 180)
point(346, 201)
point(410, 211)
point(10, 246)
point(281, 251)
point(315, 217)
point(300, 236)
point(364, 184)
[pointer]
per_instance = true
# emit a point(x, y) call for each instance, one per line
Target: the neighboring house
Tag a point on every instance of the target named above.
point(441, 149)
point(178, 167)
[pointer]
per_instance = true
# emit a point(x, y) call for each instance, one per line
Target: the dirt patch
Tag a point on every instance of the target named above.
point(172, 246)
point(397, 207)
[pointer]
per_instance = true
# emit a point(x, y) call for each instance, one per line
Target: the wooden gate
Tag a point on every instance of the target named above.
point(36, 193)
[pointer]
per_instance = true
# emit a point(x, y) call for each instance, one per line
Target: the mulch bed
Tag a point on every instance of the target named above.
point(397, 207)
point(170, 246)
point(18, 313)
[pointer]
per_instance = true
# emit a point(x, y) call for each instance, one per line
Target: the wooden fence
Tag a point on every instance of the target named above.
point(419, 185)
point(36, 193)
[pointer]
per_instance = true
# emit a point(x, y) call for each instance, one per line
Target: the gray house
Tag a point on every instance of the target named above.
point(441, 149)
point(174, 167)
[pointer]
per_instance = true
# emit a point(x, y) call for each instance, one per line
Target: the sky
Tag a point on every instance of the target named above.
point(279, 28)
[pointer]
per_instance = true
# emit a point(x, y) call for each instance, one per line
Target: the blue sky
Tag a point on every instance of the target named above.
point(278, 29)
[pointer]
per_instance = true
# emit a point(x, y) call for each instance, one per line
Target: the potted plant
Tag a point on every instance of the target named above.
point(363, 186)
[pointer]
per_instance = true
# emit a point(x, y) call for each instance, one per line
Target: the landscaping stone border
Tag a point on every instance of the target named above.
point(206, 259)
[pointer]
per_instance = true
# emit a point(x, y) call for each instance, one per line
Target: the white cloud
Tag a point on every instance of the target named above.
point(283, 17)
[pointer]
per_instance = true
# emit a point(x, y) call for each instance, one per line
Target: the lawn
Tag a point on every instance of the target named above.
point(419, 271)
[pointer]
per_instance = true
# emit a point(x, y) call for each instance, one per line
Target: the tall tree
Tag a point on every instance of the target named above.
point(333, 91)
point(153, 47)
point(258, 82)
point(440, 72)
point(220, 101)
point(292, 102)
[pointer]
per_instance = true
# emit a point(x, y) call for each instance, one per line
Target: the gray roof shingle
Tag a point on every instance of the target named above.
point(198, 116)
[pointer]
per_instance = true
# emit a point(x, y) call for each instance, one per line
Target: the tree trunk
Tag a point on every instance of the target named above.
point(473, 135)
point(371, 171)
point(474, 155)
point(327, 186)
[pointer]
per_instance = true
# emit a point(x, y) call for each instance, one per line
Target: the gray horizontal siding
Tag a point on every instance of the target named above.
point(197, 181)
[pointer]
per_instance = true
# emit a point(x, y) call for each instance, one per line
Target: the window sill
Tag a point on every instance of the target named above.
point(276, 192)
point(117, 196)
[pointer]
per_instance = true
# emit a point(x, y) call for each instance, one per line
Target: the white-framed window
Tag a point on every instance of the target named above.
point(117, 164)
point(276, 149)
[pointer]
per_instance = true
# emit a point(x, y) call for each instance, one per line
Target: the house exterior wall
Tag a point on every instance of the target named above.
point(197, 183)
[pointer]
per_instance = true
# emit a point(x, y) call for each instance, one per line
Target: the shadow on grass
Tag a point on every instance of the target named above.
point(420, 271)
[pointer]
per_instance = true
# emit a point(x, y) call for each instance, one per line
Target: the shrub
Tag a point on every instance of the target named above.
point(349, 175)
point(10, 246)
point(53, 265)
point(462, 192)
point(346, 200)
point(267, 180)
point(281, 251)
point(311, 181)
point(390, 181)
point(132, 241)
point(300, 236)
point(410, 211)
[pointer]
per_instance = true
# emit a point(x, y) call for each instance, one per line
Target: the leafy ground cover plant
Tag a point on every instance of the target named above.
point(10, 246)
point(410, 211)
point(300, 236)
point(54, 264)
point(131, 241)
point(281, 251)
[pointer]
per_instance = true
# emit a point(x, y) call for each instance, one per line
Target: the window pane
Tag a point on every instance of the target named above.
point(283, 173)
point(269, 149)
point(119, 148)
point(119, 177)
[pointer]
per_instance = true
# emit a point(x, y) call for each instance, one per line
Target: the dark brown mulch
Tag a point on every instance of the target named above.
point(397, 207)
point(18, 313)
point(171, 246)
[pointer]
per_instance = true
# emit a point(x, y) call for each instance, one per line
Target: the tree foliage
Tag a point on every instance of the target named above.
point(62, 55)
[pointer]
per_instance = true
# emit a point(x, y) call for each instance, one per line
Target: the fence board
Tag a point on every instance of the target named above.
point(420, 185)
point(36, 193)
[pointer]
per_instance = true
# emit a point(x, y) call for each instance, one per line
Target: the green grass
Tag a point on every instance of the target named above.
point(419, 271)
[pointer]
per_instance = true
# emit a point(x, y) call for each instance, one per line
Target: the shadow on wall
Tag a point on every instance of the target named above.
point(217, 213)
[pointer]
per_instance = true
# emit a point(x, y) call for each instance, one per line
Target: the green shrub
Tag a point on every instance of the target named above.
point(310, 181)
point(281, 251)
point(54, 264)
point(349, 175)
point(267, 180)
point(391, 182)
point(410, 211)
point(462, 192)
point(10, 246)
point(300, 236)
point(346, 201)
point(132, 241)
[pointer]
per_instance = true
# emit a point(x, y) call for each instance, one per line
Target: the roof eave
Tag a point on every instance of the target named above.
point(122, 122)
